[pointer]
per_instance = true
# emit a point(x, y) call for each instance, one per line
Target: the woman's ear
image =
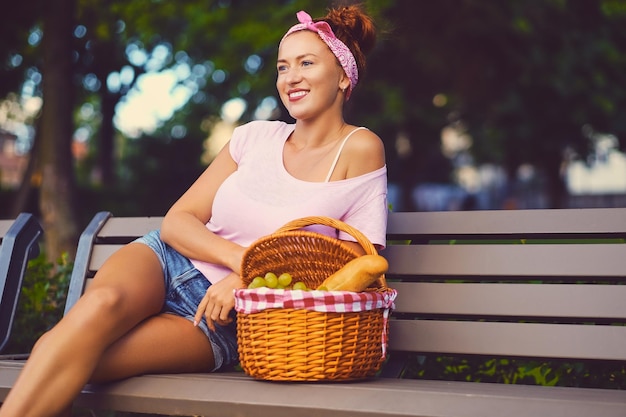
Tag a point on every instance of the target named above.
point(344, 82)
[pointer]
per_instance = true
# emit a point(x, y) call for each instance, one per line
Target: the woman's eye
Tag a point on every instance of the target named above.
point(281, 68)
point(306, 63)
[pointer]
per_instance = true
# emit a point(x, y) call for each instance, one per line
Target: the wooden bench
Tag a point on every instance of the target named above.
point(505, 284)
point(19, 242)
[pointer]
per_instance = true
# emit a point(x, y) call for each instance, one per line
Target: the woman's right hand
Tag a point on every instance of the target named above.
point(218, 301)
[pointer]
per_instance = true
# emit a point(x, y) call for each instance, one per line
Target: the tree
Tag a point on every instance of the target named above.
point(58, 194)
point(524, 78)
point(98, 41)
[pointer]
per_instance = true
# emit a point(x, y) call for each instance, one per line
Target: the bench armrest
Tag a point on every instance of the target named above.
point(19, 245)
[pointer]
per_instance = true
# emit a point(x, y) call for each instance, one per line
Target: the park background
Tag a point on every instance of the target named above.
point(481, 104)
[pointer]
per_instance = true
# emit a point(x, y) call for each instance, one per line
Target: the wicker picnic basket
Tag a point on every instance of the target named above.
point(289, 344)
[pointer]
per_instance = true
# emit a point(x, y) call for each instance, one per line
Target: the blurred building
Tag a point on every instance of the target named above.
point(12, 164)
point(600, 179)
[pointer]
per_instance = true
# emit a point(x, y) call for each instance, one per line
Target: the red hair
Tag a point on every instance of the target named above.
point(355, 29)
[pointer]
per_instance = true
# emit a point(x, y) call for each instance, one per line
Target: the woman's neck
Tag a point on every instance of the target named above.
point(318, 134)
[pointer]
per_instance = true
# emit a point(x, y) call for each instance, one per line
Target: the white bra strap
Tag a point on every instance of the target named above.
point(332, 167)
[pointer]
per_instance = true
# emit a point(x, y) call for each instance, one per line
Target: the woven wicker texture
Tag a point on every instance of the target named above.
point(304, 345)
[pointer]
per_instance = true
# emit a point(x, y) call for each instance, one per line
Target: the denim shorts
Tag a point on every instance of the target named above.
point(185, 287)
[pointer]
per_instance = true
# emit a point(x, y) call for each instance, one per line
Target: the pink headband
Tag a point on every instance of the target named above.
point(338, 48)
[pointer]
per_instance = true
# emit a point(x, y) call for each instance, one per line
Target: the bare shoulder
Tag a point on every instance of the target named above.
point(364, 152)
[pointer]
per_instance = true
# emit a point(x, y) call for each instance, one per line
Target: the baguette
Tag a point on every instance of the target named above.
point(356, 275)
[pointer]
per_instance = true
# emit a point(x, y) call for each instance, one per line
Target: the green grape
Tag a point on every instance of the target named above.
point(284, 279)
point(271, 280)
point(322, 288)
point(257, 282)
point(300, 286)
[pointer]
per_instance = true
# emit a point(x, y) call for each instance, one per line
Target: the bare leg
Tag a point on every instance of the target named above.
point(162, 344)
point(127, 289)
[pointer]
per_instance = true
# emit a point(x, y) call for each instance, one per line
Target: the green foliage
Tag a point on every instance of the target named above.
point(41, 302)
point(154, 170)
point(522, 78)
point(518, 371)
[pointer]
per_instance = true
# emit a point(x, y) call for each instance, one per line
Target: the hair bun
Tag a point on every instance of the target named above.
point(355, 28)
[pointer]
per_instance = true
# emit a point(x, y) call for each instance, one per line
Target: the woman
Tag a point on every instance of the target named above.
point(164, 303)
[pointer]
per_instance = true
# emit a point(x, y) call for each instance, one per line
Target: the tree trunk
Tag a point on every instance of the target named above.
point(58, 188)
point(556, 187)
point(106, 154)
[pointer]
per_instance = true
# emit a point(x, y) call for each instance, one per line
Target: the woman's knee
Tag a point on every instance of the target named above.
point(104, 299)
point(40, 341)
point(115, 306)
point(101, 308)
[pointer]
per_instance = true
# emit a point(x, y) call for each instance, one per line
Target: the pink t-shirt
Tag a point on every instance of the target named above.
point(261, 196)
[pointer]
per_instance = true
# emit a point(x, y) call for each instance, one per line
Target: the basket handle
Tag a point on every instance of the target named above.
point(365, 243)
point(337, 224)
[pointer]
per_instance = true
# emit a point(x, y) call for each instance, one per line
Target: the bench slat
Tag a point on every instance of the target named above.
point(129, 226)
point(605, 222)
point(4, 227)
point(239, 396)
point(100, 254)
point(502, 300)
point(229, 395)
point(509, 339)
point(599, 260)
point(537, 260)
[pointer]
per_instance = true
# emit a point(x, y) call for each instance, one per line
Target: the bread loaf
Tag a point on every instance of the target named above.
point(356, 275)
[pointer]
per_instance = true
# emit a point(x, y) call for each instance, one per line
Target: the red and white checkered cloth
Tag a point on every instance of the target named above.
point(258, 299)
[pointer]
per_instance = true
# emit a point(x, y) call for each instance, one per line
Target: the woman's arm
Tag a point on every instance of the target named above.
point(364, 153)
point(184, 228)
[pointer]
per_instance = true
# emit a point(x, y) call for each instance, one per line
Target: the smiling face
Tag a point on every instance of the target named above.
point(310, 78)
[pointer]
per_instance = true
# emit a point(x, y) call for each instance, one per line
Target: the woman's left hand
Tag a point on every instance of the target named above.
point(218, 301)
